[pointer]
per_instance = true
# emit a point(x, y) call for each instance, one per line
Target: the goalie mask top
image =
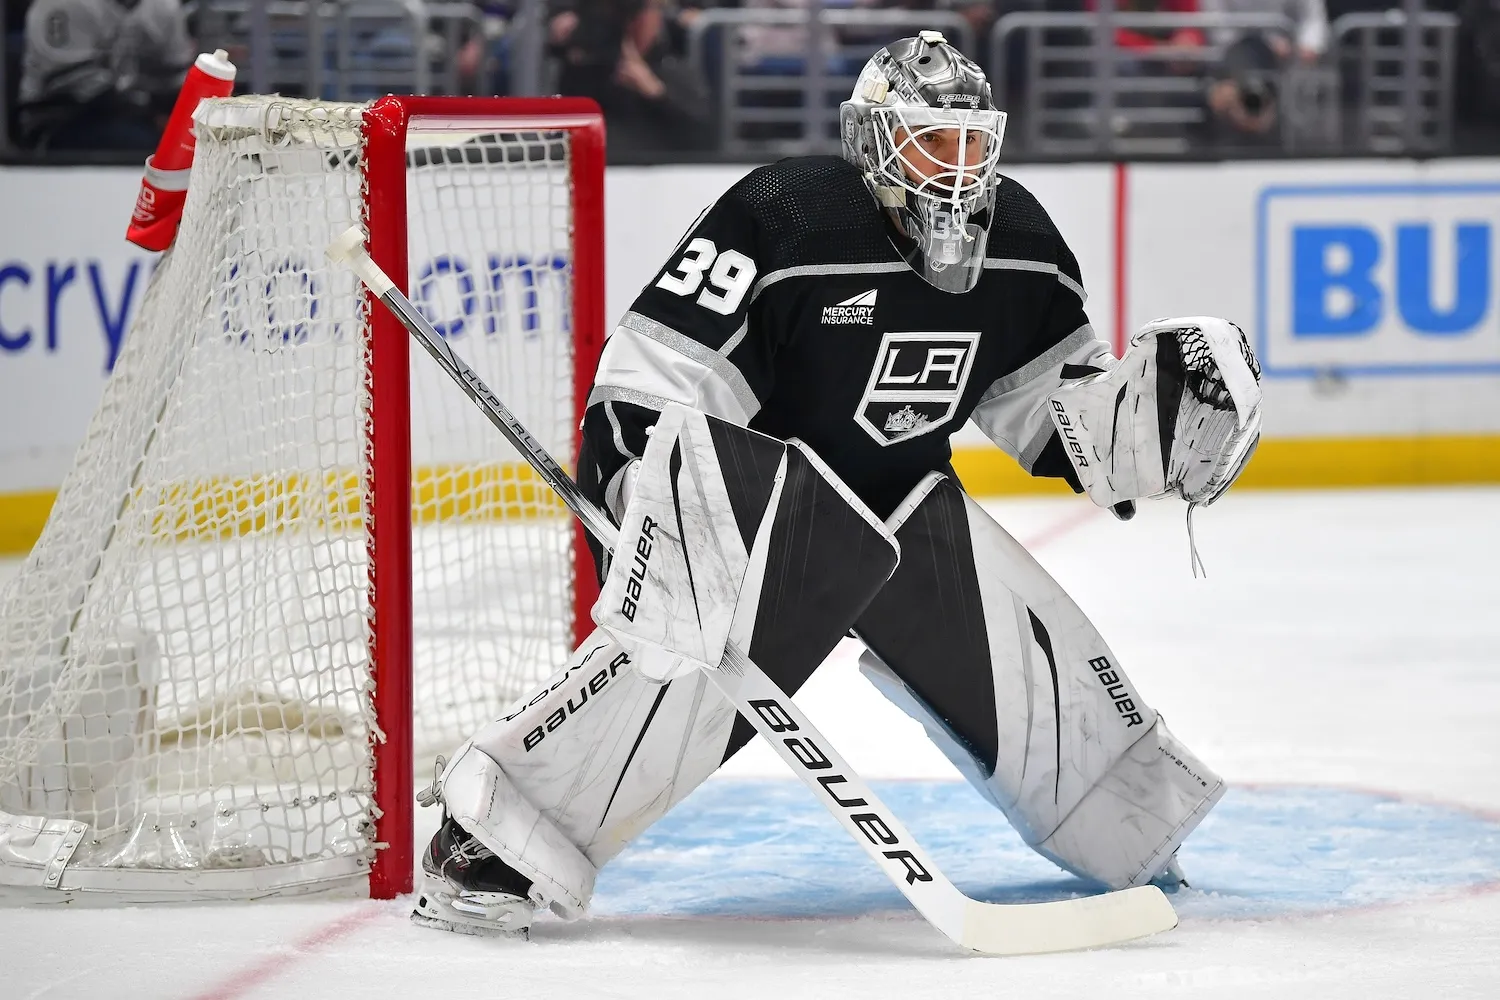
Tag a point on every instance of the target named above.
point(922, 128)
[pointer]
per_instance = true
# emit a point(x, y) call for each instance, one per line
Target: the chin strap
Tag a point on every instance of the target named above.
point(889, 197)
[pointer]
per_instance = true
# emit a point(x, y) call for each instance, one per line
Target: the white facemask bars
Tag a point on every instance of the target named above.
point(914, 163)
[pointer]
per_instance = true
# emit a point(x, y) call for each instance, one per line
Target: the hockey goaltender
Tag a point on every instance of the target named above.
point(829, 322)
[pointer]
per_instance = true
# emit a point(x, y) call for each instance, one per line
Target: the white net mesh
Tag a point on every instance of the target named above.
point(490, 268)
point(183, 658)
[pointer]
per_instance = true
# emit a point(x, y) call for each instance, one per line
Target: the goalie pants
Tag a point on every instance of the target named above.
point(970, 636)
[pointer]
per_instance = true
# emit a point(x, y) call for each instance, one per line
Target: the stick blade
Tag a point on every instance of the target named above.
point(1067, 924)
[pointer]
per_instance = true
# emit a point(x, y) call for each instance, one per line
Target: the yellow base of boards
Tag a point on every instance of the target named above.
point(21, 518)
point(1292, 463)
point(1288, 463)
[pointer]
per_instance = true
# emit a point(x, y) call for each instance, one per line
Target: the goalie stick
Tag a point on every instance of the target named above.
point(989, 928)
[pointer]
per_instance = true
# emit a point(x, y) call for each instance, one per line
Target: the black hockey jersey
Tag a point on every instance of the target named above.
point(789, 307)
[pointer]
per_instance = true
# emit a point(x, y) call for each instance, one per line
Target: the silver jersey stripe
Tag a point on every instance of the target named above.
point(1048, 359)
point(893, 266)
point(620, 394)
point(1041, 267)
point(734, 341)
point(614, 427)
point(804, 270)
point(1018, 264)
point(1033, 450)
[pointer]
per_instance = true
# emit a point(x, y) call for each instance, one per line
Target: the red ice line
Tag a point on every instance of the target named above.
point(1060, 527)
point(240, 982)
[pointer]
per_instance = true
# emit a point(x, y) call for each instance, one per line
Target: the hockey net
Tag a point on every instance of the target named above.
point(290, 553)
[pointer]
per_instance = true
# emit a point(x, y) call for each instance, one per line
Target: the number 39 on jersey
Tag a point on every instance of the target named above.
point(730, 275)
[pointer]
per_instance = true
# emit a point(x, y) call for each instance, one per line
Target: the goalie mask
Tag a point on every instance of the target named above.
point(922, 128)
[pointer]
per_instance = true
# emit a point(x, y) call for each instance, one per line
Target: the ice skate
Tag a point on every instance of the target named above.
point(468, 890)
point(1171, 879)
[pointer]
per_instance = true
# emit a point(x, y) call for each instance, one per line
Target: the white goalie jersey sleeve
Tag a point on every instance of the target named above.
point(1013, 411)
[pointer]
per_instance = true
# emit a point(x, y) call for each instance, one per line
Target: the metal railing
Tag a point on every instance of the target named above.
point(790, 104)
point(335, 49)
point(1081, 94)
point(1077, 93)
point(1385, 87)
point(341, 49)
point(1403, 92)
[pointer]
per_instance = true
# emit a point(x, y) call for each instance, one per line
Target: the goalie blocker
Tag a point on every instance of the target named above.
point(734, 536)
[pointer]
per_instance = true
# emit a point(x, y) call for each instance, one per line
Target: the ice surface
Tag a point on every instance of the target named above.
point(1338, 666)
point(765, 848)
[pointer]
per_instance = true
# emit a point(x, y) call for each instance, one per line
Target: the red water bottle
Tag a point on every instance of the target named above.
point(158, 207)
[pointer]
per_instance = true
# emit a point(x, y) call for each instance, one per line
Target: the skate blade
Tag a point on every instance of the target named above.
point(481, 914)
point(1171, 880)
point(486, 930)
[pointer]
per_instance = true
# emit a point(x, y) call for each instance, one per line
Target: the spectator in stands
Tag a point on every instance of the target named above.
point(1246, 90)
point(1309, 20)
point(1143, 40)
point(617, 52)
point(101, 74)
point(483, 58)
point(980, 14)
point(1151, 52)
point(1477, 94)
point(778, 48)
point(677, 19)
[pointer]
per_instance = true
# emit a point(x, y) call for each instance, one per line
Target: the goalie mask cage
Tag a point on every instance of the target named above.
point(289, 554)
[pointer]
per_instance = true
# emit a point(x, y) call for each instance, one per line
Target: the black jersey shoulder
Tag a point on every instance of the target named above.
point(812, 210)
point(818, 210)
point(1022, 230)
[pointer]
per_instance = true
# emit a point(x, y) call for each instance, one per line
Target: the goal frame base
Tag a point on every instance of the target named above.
point(38, 870)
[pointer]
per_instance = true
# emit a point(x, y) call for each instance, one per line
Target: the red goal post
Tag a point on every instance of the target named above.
point(387, 127)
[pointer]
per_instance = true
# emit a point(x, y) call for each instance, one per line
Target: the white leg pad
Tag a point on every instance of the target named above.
point(1143, 807)
point(485, 802)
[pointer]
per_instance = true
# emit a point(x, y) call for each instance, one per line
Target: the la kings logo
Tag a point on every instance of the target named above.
point(859, 310)
point(915, 385)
